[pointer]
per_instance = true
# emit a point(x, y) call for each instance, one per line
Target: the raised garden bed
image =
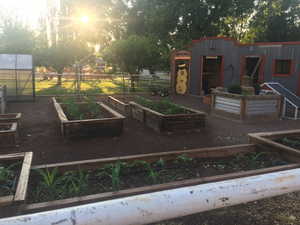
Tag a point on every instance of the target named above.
point(282, 140)
point(81, 182)
point(14, 176)
point(88, 119)
point(10, 118)
point(167, 116)
point(8, 134)
point(246, 107)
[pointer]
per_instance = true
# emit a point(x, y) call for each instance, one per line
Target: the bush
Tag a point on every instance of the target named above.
point(235, 89)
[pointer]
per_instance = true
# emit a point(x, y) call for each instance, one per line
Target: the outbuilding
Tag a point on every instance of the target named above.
point(221, 61)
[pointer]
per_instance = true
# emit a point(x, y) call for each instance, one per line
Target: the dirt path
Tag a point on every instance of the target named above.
point(41, 134)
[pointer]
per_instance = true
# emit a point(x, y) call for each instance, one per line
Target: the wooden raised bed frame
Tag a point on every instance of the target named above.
point(9, 136)
point(112, 126)
point(200, 153)
point(267, 139)
point(10, 118)
point(168, 123)
point(13, 203)
point(246, 107)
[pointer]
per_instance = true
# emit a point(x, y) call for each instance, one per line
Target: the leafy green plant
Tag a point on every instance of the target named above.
point(72, 108)
point(8, 178)
point(75, 112)
point(184, 158)
point(75, 182)
point(295, 143)
point(114, 172)
point(50, 184)
point(235, 89)
point(152, 173)
point(164, 106)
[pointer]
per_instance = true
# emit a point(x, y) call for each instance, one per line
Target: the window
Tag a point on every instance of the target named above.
point(282, 67)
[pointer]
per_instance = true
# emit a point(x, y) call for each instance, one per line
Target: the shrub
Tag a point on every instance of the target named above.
point(235, 89)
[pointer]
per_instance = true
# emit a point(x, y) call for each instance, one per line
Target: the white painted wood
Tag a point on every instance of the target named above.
point(163, 205)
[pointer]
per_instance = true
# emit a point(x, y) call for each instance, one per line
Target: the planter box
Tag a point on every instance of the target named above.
point(8, 134)
point(119, 105)
point(246, 107)
point(159, 122)
point(11, 118)
point(203, 154)
point(12, 204)
point(270, 140)
point(111, 126)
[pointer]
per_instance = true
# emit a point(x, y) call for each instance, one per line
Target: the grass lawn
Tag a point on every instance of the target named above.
point(104, 86)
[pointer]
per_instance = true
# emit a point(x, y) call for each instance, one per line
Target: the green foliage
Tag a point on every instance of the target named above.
point(133, 54)
point(184, 158)
point(75, 112)
point(115, 174)
point(291, 142)
point(164, 106)
point(49, 186)
point(16, 38)
point(8, 178)
point(152, 173)
point(235, 89)
point(75, 182)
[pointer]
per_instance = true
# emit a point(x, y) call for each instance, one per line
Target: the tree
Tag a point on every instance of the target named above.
point(133, 54)
point(62, 55)
point(276, 20)
point(16, 38)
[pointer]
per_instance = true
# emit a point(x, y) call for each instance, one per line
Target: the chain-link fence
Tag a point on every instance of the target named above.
point(47, 84)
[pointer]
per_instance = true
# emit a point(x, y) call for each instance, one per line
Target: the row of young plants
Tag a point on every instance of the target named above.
point(164, 106)
point(48, 185)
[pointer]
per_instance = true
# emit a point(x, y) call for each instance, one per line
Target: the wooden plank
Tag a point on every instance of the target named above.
point(153, 188)
point(115, 113)
point(12, 156)
point(278, 146)
point(6, 200)
point(62, 116)
point(21, 190)
point(202, 152)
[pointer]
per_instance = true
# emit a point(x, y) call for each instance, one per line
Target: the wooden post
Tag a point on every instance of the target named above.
point(243, 108)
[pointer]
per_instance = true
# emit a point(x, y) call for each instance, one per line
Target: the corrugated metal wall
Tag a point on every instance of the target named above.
point(255, 107)
point(233, 55)
point(228, 104)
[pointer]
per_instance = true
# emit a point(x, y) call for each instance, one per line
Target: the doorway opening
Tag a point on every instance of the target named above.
point(211, 73)
point(252, 68)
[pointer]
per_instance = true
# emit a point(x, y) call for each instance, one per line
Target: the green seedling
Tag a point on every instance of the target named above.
point(184, 158)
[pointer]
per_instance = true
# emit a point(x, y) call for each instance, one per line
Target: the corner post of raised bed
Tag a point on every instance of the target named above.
point(213, 99)
point(281, 106)
point(243, 108)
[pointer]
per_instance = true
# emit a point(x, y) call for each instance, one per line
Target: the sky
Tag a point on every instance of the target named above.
point(28, 11)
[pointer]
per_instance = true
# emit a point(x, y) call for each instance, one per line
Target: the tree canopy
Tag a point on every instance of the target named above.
point(137, 34)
